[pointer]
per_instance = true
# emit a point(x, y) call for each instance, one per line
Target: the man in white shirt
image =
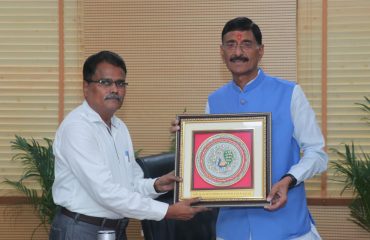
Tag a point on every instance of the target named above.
point(98, 183)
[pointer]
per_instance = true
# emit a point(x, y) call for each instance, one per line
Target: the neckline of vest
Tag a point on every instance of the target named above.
point(252, 85)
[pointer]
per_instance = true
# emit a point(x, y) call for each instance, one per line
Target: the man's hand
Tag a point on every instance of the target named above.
point(183, 210)
point(279, 194)
point(166, 182)
point(174, 126)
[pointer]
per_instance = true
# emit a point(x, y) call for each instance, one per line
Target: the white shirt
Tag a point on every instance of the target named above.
point(96, 173)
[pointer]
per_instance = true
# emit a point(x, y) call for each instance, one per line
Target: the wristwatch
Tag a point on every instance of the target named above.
point(293, 182)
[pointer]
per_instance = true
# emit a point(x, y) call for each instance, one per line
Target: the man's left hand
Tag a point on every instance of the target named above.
point(278, 195)
point(166, 182)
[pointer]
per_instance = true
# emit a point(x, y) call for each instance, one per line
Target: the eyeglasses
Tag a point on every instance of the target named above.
point(109, 82)
point(231, 46)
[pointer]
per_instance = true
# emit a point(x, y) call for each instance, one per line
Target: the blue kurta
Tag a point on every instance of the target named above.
point(265, 94)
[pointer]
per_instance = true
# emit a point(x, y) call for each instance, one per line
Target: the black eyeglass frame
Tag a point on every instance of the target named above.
point(109, 82)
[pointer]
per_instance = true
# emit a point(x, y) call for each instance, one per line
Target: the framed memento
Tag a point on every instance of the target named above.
point(224, 159)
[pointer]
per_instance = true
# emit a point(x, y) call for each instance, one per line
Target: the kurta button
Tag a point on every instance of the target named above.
point(242, 101)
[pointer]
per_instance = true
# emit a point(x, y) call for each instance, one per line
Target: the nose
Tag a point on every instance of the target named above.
point(114, 88)
point(238, 49)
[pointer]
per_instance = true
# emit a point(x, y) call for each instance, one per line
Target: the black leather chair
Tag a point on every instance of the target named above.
point(201, 227)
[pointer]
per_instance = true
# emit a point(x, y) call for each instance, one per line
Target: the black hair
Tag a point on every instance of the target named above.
point(242, 24)
point(91, 62)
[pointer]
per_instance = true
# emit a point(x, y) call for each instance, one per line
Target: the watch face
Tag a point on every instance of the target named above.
point(222, 160)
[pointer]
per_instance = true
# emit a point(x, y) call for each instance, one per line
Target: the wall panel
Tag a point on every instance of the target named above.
point(172, 52)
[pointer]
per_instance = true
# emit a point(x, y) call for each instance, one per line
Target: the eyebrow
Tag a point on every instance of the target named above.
point(113, 80)
point(233, 40)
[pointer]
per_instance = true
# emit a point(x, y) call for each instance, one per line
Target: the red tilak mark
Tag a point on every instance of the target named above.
point(239, 36)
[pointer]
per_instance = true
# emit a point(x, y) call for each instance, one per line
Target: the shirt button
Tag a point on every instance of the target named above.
point(243, 101)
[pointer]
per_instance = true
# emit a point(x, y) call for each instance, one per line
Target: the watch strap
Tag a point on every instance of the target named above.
point(293, 182)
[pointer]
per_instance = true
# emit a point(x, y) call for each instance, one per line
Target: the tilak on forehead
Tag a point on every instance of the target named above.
point(239, 36)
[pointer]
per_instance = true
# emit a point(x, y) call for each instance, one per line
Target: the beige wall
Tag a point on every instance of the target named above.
point(173, 57)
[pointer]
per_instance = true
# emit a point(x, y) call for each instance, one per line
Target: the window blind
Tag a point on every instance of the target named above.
point(29, 70)
point(347, 75)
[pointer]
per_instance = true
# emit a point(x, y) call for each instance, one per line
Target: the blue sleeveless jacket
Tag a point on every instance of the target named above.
point(265, 94)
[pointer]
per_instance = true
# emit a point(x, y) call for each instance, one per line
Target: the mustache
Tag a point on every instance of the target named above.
point(113, 96)
point(239, 58)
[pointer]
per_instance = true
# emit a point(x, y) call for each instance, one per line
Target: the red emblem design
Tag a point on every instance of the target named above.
point(222, 160)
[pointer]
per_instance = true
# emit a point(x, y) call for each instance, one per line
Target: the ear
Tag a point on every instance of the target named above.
point(85, 86)
point(222, 53)
point(261, 51)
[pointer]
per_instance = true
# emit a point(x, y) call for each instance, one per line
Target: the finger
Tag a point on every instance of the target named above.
point(169, 175)
point(173, 178)
point(174, 129)
point(273, 206)
point(271, 195)
point(276, 203)
point(192, 200)
point(175, 122)
point(177, 179)
point(269, 207)
point(174, 126)
point(198, 209)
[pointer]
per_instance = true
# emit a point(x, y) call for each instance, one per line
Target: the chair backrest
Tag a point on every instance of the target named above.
point(157, 165)
point(201, 227)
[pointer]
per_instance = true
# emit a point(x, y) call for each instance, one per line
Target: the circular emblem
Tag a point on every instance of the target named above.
point(222, 160)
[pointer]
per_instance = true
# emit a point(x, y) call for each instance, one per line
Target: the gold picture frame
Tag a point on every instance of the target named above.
point(224, 159)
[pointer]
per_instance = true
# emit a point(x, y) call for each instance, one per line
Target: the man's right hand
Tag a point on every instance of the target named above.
point(183, 210)
point(174, 126)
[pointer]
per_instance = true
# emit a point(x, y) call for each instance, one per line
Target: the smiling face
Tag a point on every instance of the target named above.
point(241, 54)
point(105, 100)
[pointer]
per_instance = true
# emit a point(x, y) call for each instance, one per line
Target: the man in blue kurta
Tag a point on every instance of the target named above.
point(297, 141)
